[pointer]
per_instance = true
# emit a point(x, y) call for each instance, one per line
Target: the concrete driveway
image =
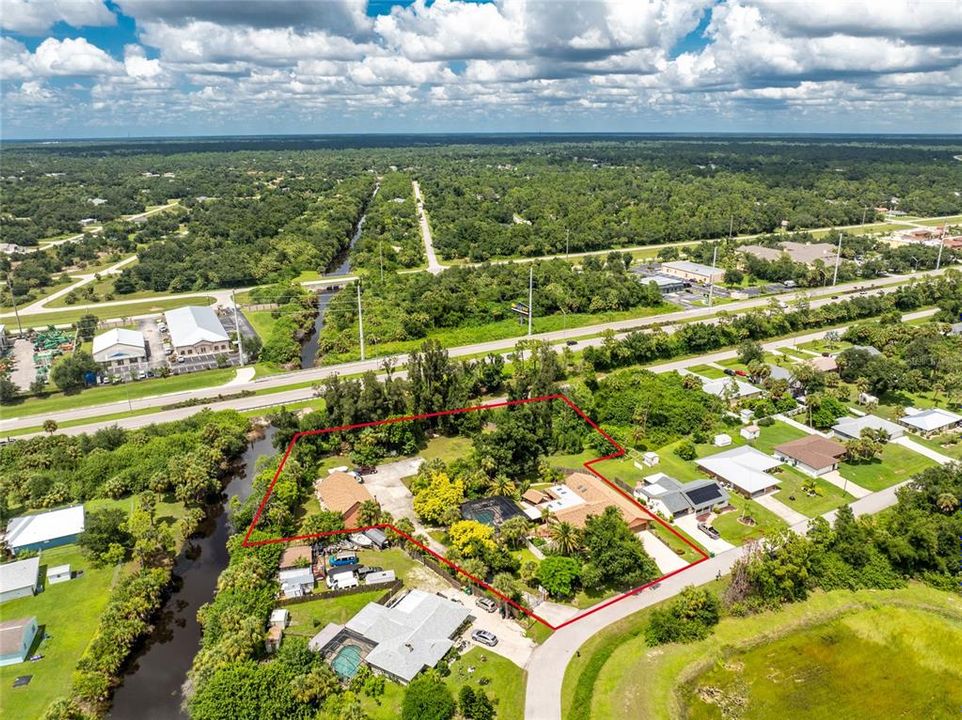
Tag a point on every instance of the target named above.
point(792, 517)
point(386, 486)
point(512, 644)
point(664, 557)
point(835, 477)
point(689, 523)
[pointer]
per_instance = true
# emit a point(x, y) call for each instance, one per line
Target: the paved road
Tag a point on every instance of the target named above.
point(434, 266)
point(40, 306)
point(550, 660)
point(282, 397)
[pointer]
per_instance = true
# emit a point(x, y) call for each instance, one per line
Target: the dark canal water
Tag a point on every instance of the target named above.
point(152, 687)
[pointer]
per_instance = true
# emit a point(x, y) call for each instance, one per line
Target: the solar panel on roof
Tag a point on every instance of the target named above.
point(704, 494)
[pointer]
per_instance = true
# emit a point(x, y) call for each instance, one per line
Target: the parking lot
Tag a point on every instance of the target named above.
point(24, 369)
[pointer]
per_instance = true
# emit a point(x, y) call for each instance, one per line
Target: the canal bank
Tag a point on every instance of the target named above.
point(152, 686)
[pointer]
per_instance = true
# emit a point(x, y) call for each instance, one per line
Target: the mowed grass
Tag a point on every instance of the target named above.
point(895, 465)
point(712, 373)
point(884, 662)
point(616, 674)
point(773, 435)
point(735, 532)
point(827, 496)
point(307, 618)
point(447, 449)
point(69, 614)
point(57, 402)
point(501, 679)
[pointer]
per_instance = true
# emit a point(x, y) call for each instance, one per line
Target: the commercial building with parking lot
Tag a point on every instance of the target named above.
point(119, 348)
point(196, 330)
point(692, 271)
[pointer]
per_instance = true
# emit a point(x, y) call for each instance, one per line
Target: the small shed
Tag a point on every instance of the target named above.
point(378, 537)
point(746, 415)
point(865, 398)
point(275, 633)
point(58, 574)
point(750, 432)
point(722, 440)
point(280, 616)
point(650, 458)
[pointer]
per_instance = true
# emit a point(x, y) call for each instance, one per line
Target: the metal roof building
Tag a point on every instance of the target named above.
point(744, 468)
point(195, 325)
point(119, 346)
point(49, 529)
point(19, 579)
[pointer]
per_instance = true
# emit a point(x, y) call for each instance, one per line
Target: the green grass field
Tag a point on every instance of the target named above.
point(69, 614)
point(712, 373)
point(827, 497)
point(447, 449)
point(776, 434)
point(307, 618)
point(892, 653)
point(736, 533)
point(895, 465)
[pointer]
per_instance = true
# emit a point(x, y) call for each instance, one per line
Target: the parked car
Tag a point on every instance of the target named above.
point(367, 469)
point(364, 570)
point(486, 604)
point(729, 371)
point(741, 373)
point(180, 359)
point(709, 531)
point(344, 558)
point(571, 342)
point(485, 638)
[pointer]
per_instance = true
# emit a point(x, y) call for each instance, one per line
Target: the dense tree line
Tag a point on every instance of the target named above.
point(411, 306)
point(391, 237)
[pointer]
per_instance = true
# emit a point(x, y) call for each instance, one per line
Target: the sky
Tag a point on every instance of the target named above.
point(119, 68)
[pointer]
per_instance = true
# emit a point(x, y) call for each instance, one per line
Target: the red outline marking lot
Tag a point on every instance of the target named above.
point(620, 451)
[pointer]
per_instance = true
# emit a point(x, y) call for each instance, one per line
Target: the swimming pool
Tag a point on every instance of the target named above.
point(346, 661)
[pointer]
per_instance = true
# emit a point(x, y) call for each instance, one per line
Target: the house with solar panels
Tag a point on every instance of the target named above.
point(669, 497)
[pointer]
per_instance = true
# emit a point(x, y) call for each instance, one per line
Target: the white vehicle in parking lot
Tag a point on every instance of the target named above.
point(485, 638)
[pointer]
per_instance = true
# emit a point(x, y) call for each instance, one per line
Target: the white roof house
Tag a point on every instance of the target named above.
point(851, 427)
point(744, 468)
point(119, 344)
point(730, 387)
point(19, 579)
point(930, 421)
point(193, 324)
point(32, 532)
point(413, 634)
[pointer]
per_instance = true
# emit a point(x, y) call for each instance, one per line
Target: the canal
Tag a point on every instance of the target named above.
point(153, 684)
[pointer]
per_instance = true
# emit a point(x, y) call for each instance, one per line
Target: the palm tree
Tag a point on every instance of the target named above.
point(565, 537)
point(369, 513)
point(947, 503)
point(502, 485)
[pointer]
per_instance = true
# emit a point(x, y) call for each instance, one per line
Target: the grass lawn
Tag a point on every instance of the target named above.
point(307, 618)
point(734, 364)
point(776, 434)
point(572, 462)
point(68, 316)
point(501, 679)
point(953, 220)
point(712, 373)
point(262, 322)
point(447, 449)
point(56, 402)
point(824, 346)
point(827, 497)
point(793, 353)
point(855, 655)
point(670, 539)
point(949, 443)
point(69, 614)
point(895, 465)
point(735, 532)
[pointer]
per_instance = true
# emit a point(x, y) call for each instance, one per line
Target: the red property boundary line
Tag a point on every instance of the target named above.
point(619, 452)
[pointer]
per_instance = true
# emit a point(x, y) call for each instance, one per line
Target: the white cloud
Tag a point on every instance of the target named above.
point(35, 17)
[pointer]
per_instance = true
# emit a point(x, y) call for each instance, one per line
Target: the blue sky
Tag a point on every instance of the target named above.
point(107, 68)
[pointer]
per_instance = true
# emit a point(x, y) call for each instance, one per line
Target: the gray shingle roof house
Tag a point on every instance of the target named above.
point(16, 638)
point(668, 496)
point(412, 634)
point(849, 428)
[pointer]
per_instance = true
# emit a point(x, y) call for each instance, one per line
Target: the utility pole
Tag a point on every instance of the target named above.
point(711, 280)
point(360, 319)
point(938, 260)
point(380, 252)
point(731, 226)
point(14, 298)
point(864, 213)
point(237, 327)
point(838, 259)
point(567, 241)
point(530, 296)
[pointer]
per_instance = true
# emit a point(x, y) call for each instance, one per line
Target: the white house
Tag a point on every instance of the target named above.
point(196, 330)
point(19, 579)
point(120, 347)
point(743, 468)
point(930, 422)
point(750, 432)
point(850, 428)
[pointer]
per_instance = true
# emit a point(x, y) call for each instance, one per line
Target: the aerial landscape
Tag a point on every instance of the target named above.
point(515, 359)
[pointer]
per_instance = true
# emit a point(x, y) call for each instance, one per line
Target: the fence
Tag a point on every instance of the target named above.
point(390, 588)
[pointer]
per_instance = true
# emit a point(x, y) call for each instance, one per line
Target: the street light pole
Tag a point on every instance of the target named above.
point(838, 259)
point(530, 296)
point(360, 319)
point(938, 260)
point(711, 280)
point(237, 327)
point(16, 311)
point(567, 241)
